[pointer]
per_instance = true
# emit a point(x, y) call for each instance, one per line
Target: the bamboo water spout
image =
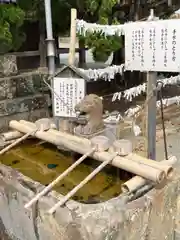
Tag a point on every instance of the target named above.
point(144, 161)
point(137, 182)
point(147, 172)
point(124, 147)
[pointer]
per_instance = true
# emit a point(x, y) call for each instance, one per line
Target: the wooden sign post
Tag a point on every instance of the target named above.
point(69, 85)
point(152, 47)
point(151, 98)
point(72, 45)
point(69, 89)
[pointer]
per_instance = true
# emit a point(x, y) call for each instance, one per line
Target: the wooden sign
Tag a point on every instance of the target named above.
point(70, 91)
point(153, 46)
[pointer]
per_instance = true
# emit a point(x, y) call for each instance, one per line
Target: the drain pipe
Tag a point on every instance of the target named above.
point(50, 39)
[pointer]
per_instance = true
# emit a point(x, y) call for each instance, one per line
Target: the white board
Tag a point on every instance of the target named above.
point(153, 46)
point(70, 91)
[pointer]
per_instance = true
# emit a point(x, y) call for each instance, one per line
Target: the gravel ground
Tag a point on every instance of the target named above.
point(173, 144)
point(172, 125)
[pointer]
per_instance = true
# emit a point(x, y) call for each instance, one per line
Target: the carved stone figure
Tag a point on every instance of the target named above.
point(90, 115)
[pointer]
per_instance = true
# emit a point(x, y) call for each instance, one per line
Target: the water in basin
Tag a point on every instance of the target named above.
point(44, 162)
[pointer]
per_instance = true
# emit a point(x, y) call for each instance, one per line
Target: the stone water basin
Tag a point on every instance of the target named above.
point(99, 212)
point(44, 162)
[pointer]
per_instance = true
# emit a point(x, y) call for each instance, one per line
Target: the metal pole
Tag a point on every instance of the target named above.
point(169, 3)
point(50, 49)
point(151, 115)
point(50, 39)
point(151, 109)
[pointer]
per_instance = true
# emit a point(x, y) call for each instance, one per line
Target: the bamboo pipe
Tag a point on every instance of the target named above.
point(11, 135)
point(16, 134)
point(8, 136)
point(147, 172)
point(60, 133)
point(6, 143)
point(80, 185)
point(9, 142)
point(148, 162)
point(137, 182)
point(58, 179)
point(17, 141)
point(71, 137)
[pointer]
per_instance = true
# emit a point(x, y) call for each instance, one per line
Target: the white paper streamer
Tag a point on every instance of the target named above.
point(130, 93)
point(169, 101)
point(136, 129)
point(83, 27)
point(171, 80)
point(107, 73)
point(132, 111)
point(113, 118)
point(166, 102)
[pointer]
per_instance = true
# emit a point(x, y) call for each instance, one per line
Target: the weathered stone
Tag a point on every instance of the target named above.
point(23, 93)
point(150, 217)
point(25, 104)
point(92, 109)
point(43, 124)
point(22, 85)
point(30, 116)
point(8, 65)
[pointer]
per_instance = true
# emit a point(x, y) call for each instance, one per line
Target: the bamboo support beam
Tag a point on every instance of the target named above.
point(144, 171)
point(58, 179)
point(16, 134)
point(80, 185)
point(60, 133)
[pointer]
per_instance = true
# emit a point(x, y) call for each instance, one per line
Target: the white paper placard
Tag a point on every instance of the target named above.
point(153, 46)
point(71, 91)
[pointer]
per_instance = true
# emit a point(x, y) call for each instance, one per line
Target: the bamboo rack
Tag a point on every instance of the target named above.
point(145, 171)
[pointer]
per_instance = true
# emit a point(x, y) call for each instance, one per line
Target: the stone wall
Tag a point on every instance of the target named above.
point(8, 65)
point(23, 96)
